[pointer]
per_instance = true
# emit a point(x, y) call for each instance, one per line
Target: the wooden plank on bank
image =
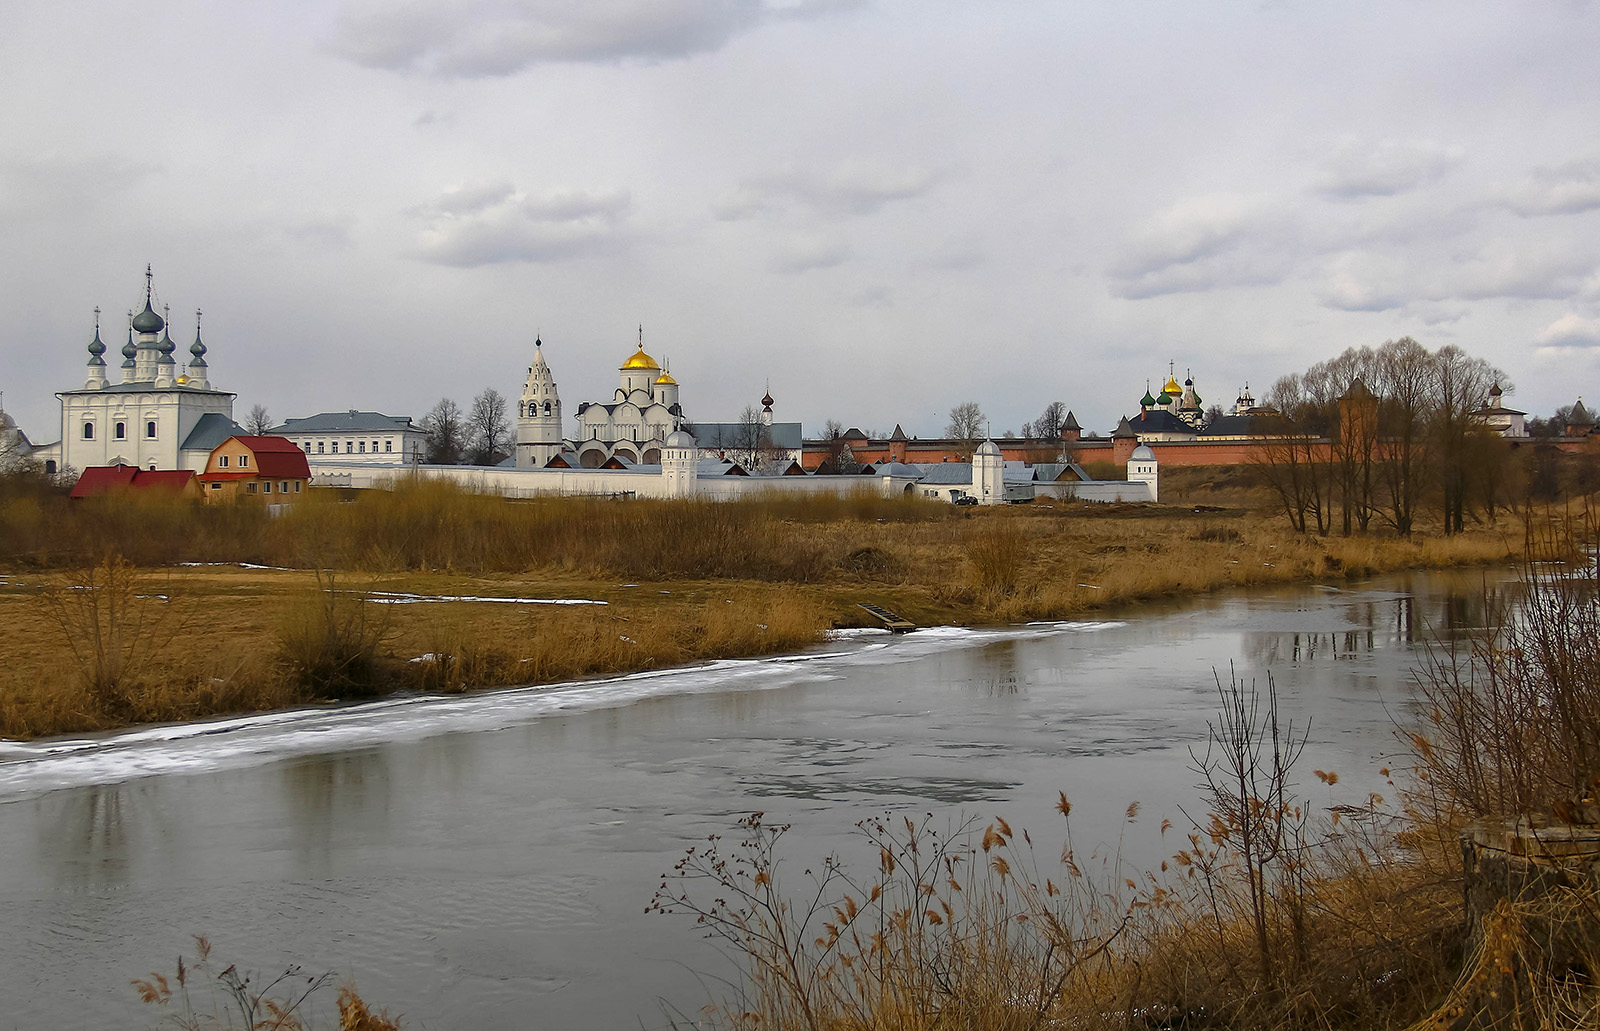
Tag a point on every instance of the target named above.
point(898, 624)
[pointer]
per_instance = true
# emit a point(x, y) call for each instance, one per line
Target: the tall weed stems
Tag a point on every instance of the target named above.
point(200, 998)
point(953, 928)
point(332, 636)
point(1511, 713)
point(112, 622)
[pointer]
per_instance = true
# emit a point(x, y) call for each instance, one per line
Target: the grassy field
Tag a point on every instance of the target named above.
point(161, 640)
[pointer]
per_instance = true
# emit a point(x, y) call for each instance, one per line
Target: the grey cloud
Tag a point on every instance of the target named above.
point(323, 231)
point(495, 224)
point(1204, 243)
point(1385, 169)
point(1568, 333)
point(1564, 190)
point(1359, 282)
point(1364, 281)
point(467, 200)
point(850, 188)
point(806, 253)
point(1530, 272)
point(574, 205)
point(49, 184)
point(476, 38)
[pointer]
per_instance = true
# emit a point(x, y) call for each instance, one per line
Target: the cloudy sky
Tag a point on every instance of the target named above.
point(884, 207)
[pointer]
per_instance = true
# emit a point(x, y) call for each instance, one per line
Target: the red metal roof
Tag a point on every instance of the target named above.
point(99, 479)
point(276, 457)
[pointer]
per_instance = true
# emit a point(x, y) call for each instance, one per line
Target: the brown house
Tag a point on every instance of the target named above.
point(269, 469)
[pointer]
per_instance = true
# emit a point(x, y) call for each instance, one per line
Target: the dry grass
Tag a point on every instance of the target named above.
point(268, 638)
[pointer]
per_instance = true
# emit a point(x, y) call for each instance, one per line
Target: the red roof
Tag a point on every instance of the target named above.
point(99, 479)
point(275, 457)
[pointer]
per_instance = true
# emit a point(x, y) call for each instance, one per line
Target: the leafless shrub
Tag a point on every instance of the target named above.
point(331, 637)
point(1511, 719)
point(113, 620)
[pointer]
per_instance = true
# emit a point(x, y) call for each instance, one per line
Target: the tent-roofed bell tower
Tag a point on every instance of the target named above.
point(538, 414)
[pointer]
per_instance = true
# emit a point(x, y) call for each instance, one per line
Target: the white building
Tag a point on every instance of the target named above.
point(538, 415)
point(1508, 422)
point(157, 415)
point(365, 437)
point(635, 424)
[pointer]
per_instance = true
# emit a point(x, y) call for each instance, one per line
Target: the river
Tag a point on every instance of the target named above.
point(484, 861)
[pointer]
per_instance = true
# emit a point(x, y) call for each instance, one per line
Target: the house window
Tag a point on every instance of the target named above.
point(283, 486)
point(297, 486)
point(320, 445)
point(121, 432)
point(216, 486)
point(150, 429)
point(250, 488)
point(222, 462)
point(266, 487)
point(363, 447)
point(388, 446)
point(335, 447)
point(349, 447)
point(244, 460)
point(374, 447)
point(88, 431)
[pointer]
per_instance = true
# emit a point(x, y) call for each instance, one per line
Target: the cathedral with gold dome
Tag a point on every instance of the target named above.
point(632, 427)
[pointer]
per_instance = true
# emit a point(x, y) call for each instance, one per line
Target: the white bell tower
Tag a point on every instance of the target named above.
point(538, 414)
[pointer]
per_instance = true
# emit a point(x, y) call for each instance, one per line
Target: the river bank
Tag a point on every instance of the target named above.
point(222, 633)
point(484, 860)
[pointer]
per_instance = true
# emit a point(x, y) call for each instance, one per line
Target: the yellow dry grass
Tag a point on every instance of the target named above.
point(682, 582)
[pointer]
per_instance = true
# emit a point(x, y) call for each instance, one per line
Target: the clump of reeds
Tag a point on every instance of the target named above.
point(953, 928)
point(331, 636)
point(997, 550)
point(198, 997)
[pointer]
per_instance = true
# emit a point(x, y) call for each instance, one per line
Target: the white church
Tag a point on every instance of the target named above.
point(156, 414)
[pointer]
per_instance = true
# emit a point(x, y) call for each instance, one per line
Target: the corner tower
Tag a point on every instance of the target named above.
point(538, 414)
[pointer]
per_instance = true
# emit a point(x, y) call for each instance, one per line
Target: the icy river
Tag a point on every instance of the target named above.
point(484, 861)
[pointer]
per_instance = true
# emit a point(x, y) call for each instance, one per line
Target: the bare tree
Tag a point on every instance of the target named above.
point(1461, 385)
point(1294, 460)
point(1402, 376)
point(488, 428)
point(966, 424)
point(751, 444)
point(1048, 424)
point(445, 433)
point(258, 422)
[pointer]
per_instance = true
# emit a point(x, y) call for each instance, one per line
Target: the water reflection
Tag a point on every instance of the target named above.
point(86, 839)
point(331, 800)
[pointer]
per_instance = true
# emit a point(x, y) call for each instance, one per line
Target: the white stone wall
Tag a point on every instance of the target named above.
point(511, 482)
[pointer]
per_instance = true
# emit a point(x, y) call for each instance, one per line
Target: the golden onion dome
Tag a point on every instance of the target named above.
point(1172, 387)
point(666, 378)
point(183, 380)
point(640, 360)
